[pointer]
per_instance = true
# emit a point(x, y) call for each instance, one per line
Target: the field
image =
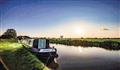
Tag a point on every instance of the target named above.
point(107, 43)
point(16, 57)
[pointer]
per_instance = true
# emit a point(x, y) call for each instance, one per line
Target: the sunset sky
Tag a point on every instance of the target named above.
point(70, 18)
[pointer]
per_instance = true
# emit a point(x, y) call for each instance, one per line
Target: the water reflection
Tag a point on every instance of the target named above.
point(91, 58)
point(79, 49)
point(54, 65)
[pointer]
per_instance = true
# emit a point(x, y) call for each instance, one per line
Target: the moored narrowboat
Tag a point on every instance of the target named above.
point(43, 50)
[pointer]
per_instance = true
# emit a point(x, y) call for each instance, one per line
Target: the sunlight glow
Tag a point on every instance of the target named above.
point(78, 31)
point(79, 49)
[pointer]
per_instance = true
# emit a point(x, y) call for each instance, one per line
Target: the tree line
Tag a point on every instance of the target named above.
point(12, 34)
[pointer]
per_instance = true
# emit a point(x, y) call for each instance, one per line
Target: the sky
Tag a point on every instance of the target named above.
point(53, 18)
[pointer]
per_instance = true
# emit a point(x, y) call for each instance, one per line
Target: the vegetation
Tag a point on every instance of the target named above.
point(10, 33)
point(16, 57)
point(107, 43)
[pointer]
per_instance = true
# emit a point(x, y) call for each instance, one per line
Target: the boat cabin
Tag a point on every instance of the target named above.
point(43, 51)
point(42, 46)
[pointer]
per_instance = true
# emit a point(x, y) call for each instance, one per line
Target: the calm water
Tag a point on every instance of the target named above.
point(91, 58)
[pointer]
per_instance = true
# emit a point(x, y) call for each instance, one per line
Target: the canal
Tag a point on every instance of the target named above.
point(89, 58)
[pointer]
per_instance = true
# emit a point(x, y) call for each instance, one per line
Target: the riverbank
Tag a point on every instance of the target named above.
point(16, 57)
point(107, 43)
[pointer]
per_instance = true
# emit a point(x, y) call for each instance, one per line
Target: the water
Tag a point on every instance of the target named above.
point(91, 58)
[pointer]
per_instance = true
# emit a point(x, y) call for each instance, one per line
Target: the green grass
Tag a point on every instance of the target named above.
point(16, 57)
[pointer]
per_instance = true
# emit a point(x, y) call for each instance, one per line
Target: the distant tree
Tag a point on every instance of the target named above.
point(61, 36)
point(10, 33)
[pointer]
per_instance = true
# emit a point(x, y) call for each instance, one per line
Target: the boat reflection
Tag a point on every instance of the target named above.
point(54, 64)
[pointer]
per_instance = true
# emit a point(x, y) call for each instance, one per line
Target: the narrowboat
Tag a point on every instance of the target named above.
point(41, 48)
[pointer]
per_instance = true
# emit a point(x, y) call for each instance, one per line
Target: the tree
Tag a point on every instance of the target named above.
point(10, 33)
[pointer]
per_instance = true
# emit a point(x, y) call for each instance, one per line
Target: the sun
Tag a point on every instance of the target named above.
point(78, 31)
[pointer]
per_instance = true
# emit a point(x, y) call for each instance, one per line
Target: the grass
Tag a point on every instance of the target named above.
point(16, 57)
point(107, 43)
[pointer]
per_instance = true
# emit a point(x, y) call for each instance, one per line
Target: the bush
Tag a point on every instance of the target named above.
point(10, 33)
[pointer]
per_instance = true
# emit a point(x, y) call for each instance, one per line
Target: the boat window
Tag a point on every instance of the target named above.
point(35, 43)
point(42, 43)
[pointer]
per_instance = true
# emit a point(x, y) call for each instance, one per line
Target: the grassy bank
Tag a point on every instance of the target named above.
point(16, 57)
point(108, 43)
